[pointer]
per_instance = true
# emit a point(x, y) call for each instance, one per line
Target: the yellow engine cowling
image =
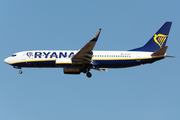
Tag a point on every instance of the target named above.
point(72, 71)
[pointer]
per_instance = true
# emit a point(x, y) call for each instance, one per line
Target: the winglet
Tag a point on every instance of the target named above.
point(96, 36)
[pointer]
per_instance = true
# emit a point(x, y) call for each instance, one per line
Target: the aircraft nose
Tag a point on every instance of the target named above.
point(7, 61)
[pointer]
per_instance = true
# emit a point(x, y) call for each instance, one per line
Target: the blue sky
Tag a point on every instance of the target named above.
point(138, 93)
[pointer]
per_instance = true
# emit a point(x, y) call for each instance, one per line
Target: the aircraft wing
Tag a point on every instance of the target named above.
point(84, 55)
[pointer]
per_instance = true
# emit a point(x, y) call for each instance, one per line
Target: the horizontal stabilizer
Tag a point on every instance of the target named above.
point(170, 56)
point(160, 52)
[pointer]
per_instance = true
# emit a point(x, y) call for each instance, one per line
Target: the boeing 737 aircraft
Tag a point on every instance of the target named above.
point(75, 62)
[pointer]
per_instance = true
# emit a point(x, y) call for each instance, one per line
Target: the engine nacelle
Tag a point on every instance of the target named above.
point(72, 71)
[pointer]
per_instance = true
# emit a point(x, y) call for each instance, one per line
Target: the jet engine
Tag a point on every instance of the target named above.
point(72, 71)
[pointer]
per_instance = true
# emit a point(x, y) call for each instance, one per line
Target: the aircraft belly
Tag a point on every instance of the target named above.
point(114, 63)
point(122, 63)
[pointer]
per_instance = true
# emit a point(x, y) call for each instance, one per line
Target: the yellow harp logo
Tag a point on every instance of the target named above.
point(159, 39)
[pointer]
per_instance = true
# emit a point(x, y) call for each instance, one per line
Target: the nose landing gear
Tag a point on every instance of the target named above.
point(20, 72)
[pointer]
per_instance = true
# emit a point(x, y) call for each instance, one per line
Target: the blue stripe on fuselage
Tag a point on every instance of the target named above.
point(122, 63)
point(48, 63)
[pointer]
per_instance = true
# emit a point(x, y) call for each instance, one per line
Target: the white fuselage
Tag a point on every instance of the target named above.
point(100, 59)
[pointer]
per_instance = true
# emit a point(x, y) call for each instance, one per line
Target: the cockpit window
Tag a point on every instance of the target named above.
point(14, 55)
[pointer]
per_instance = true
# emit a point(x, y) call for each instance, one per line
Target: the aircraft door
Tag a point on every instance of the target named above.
point(23, 56)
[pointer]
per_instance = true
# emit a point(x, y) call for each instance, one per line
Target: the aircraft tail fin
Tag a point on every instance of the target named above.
point(158, 40)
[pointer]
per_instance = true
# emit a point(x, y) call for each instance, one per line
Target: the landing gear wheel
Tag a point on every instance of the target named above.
point(89, 74)
point(20, 71)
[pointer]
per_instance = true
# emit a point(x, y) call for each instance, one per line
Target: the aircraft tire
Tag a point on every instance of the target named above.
point(89, 74)
point(20, 71)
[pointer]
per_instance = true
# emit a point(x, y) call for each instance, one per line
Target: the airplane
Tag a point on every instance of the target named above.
point(82, 61)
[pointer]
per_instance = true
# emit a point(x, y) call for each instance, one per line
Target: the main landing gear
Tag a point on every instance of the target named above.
point(88, 74)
